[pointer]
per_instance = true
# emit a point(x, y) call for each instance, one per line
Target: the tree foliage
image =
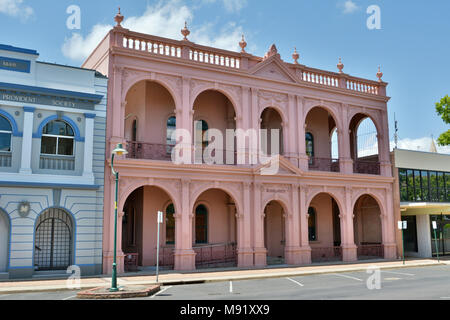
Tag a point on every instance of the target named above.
point(443, 109)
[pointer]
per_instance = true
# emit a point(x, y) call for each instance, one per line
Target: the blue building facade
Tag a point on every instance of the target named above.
point(52, 153)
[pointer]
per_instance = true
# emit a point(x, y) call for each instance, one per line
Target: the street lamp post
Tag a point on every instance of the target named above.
point(119, 151)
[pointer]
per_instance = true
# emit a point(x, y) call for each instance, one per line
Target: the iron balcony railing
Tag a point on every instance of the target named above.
point(366, 167)
point(324, 164)
point(369, 250)
point(5, 159)
point(325, 254)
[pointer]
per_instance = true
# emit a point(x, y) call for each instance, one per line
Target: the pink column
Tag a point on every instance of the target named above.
point(184, 255)
point(291, 134)
point(389, 227)
point(245, 252)
point(259, 250)
point(292, 249)
point(302, 157)
point(345, 159)
point(349, 249)
point(384, 156)
point(304, 234)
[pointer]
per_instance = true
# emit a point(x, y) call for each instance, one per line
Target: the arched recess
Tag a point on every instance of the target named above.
point(368, 231)
point(275, 231)
point(321, 124)
point(5, 226)
point(151, 103)
point(213, 110)
point(326, 243)
point(140, 222)
point(365, 144)
point(272, 121)
point(215, 230)
point(54, 240)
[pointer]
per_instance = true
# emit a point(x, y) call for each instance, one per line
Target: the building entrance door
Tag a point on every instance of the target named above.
point(442, 234)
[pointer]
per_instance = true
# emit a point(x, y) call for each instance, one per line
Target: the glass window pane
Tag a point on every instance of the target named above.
point(410, 185)
point(170, 224)
point(171, 127)
point(433, 186)
point(201, 228)
point(425, 186)
point(441, 187)
point(58, 128)
point(65, 147)
point(417, 186)
point(48, 145)
point(403, 185)
point(5, 142)
point(447, 183)
point(4, 124)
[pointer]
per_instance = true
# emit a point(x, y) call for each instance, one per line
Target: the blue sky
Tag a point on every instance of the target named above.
point(412, 46)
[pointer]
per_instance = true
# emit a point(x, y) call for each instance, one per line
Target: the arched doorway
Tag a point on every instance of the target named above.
point(364, 145)
point(139, 229)
point(321, 138)
point(367, 228)
point(274, 232)
point(4, 241)
point(272, 122)
point(149, 121)
point(215, 230)
point(53, 244)
point(213, 110)
point(324, 228)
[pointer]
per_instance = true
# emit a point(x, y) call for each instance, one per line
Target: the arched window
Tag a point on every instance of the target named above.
point(309, 146)
point(201, 225)
point(170, 224)
point(170, 129)
point(57, 139)
point(312, 224)
point(5, 135)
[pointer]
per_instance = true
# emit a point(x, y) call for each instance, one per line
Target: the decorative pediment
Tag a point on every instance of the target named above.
point(274, 68)
point(285, 167)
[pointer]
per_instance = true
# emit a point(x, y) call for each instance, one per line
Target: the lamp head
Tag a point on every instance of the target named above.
point(119, 150)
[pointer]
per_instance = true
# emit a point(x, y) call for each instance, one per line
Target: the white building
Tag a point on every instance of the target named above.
point(422, 195)
point(52, 153)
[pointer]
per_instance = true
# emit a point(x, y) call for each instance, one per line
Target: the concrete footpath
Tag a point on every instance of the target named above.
point(208, 275)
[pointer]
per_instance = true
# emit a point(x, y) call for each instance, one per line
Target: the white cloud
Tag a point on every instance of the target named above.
point(164, 19)
point(349, 7)
point(420, 144)
point(230, 5)
point(16, 8)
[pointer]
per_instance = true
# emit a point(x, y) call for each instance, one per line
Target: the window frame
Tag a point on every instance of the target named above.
point(10, 132)
point(314, 214)
point(57, 141)
point(167, 227)
point(205, 226)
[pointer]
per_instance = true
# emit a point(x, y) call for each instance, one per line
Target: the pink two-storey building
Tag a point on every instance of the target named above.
point(315, 208)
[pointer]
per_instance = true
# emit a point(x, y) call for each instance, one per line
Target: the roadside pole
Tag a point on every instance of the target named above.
point(435, 239)
point(160, 221)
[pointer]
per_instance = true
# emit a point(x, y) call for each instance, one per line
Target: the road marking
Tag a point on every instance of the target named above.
point(392, 279)
point(231, 286)
point(402, 273)
point(69, 298)
point(345, 276)
point(301, 285)
point(159, 292)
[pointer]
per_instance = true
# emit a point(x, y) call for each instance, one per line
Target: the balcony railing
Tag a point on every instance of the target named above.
point(149, 151)
point(324, 164)
point(366, 167)
point(367, 250)
point(51, 162)
point(215, 254)
point(238, 61)
point(325, 254)
point(5, 159)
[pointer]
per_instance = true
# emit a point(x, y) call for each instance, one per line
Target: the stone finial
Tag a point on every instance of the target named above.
point(243, 44)
point(272, 51)
point(340, 66)
point(379, 74)
point(118, 18)
point(295, 56)
point(185, 31)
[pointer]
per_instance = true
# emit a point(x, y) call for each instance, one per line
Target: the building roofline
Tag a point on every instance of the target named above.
point(17, 49)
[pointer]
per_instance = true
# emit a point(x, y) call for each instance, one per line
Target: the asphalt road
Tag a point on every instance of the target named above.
point(432, 282)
